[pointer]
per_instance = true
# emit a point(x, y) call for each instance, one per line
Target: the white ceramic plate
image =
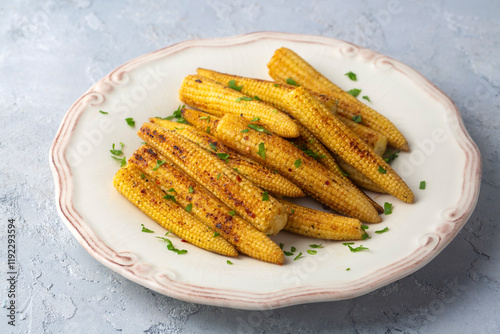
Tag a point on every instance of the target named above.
point(109, 227)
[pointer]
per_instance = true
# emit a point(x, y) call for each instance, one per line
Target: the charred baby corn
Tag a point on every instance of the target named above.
point(206, 207)
point(263, 211)
point(336, 136)
point(318, 224)
point(294, 164)
point(149, 199)
point(374, 139)
point(286, 64)
point(212, 97)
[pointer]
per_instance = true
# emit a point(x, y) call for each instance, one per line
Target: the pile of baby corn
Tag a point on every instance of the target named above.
point(218, 181)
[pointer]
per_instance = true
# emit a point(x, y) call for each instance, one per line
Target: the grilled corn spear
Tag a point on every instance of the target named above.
point(263, 211)
point(212, 97)
point(253, 171)
point(206, 207)
point(374, 139)
point(337, 137)
point(294, 164)
point(358, 178)
point(286, 64)
point(149, 199)
point(317, 224)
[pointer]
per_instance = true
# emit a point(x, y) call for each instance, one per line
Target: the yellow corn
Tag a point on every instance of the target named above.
point(297, 166)
point(149, 199)
point(206, 207)
point(335, 135)
point(287, 64)
point(253, 171)
point(322, 225)
point(210, 96)
point(262, 211)
point(374, 139)
point(358, 178)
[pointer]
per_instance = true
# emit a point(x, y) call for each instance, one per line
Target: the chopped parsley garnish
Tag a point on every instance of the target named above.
point(244, 98)
point(178, 112)
point(352, 249)
point(356, 118)
point(354, 92)
point(364, 227)
point(176, 128)
point(351, 76)
point(298, 256)
point(342, 171)
point(170, 246)
point(123, 160)
point(290, 81)
point(387, 208)
point(130, 121)
point(171, 190)
point(205, 117)
point(287, 253)
point(276, 85)
point(255, 119)
point(422, 185)
point(115, 151)
point(265, 196)
point(103, 112)
point(293, 211)
point(232, 85)
point(390, 156)
point(367, 98)
point(213, 147)
point(348, 269)
point(281, 245)
point(143, 176)
point(275, 111)
point(381, 170)
point(191, 190)
point(218, 176)
point(232, 212)
point(262, 150)
point(223, 156)
point(189, 207)
point(297, 163)
point(293, 249)
point(208, 129)
point(146, 230)
point(159, 163)
point(216, 234)
point(236, 169)
point(383, 230)
point(257, 98)
point(244, 131)
point(365, 236)
point(316, 246)
point(257, 128)
point(170, 197)
point(312, 252)
point(229, 262)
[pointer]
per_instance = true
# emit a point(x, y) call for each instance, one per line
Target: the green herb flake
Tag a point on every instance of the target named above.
point(365, 236)
point(356, 118)
point(189, 207)
point(159, 163)
point(171, 190)
point(355, 249)
point(143, 176)
point(115, 151)
point(275, 111)
point(348, 269)
point(146, 230)
point(281, 245)
point(229, 262)
point(244, 131)
point(347, 243)
point(389, 156)
point(218, 176)
point(176, 128)
point(123, 161)
point(293, 211)
point(288, 253)
point(351, 76)
point(170, 197)
point(381, 170)
point(178, 113)
point(232, 213)
point(276, 85)
point(312, 252)
point(170, 246)
point(216, 234)
point(293, 249)
point(265, 196)
point(244, 98)
point(255, 119)
point(208, 129)
point(316, 246)
point(364, 227)
point(297, 163)
point(130, 121)
point(354, 92)
point(292, 82)
point(342, 171)
point(191, 190)
point(182, 120)
point(387, 208)
point(103, 112)
point(422, 185)
point(223, 156)
point(213, 147)
point(298, 256)
point(262, 151)
point(232, 85)
point(367, 98)
point(257, 98)
point(382, 231)
point(257, 128)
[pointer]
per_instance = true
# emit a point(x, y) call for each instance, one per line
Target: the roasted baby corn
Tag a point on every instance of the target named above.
point(337, 137)
point(253, 171)
point(297, 166)
point(286, 64)
point(261, 210)
point(206, 207)
point(374, 139)
point(149, 199)
point(358, 178)
point(212, 97)
point(199, 119)
point(318, 224)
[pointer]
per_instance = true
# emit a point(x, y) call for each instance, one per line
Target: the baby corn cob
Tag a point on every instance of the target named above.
point(358, 178)
point(253, 171)
point(262, 211)
point(322, 225)
point(212, 97)
point(374, 139)
point(340, 140)
point(206, 207)
point(149, 199)
point(286, 64)
point(294, 164)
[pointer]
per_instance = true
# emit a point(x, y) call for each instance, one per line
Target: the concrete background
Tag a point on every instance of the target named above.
point(53, 51)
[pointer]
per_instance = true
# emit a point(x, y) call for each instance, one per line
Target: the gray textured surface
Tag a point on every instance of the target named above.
point(52, 51)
